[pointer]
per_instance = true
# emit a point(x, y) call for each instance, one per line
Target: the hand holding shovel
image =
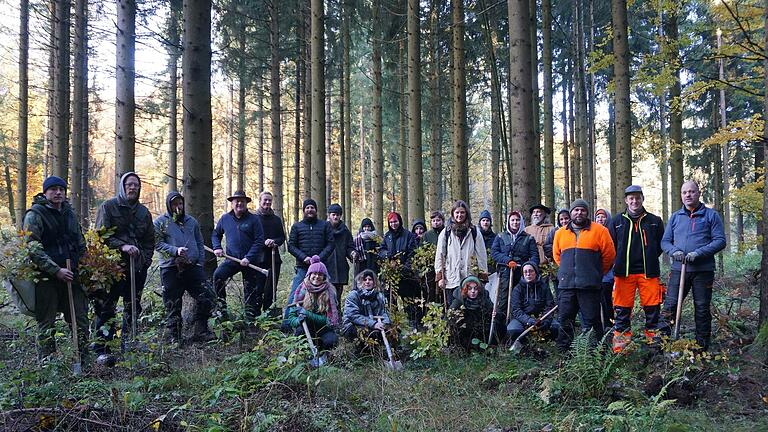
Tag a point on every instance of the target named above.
point(392, 363)
point(231, 258)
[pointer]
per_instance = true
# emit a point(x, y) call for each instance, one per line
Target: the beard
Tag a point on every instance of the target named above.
point(537, 220)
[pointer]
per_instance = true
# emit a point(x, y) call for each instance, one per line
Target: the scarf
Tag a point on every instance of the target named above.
point(636, 215)
point(332, 312)
point(460, 229)
point(267, 212)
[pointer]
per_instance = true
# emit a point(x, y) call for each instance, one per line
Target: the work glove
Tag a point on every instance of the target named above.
point(512, 265)
point(678, 256)
point(483, 277)
point(691, 256)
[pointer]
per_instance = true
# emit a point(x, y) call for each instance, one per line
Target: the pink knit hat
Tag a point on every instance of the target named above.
point(317, 266)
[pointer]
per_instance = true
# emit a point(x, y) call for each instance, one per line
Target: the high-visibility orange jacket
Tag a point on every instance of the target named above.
point(585, 258)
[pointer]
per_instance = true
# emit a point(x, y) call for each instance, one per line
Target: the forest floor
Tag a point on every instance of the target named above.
point(258, 379)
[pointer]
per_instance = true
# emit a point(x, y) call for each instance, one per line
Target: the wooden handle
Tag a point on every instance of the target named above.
point(231, 258)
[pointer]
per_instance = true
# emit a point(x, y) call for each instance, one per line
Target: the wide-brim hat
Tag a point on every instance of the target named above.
point(239, 194)
point(546, 209)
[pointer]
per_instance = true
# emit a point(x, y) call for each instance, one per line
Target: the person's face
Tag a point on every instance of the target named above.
point(367, 228)
point(334, 218)
point(563, 219)
point(436, 222)
point(132, 188)
point(316, 278)
point(419, 230)
point(485, 224)
point(514, 223)
point(690, 194)
point(310, 211)
point(473, 290)
point(634, 201)
point(529, 274)
point(579, 215)
point(394, 224)
point(265, 202)
point(537, 215)
point(601, 218)
point(56, 195)
point(460, 215)
point(177, 205)
point(239, 205)
point(368, 282)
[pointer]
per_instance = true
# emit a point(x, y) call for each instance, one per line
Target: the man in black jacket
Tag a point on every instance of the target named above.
point(343, 250)
point(134, 237)
point(309, 236)
point(274, 237)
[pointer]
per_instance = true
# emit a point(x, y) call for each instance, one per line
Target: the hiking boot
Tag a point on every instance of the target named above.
point(652, 337)
point(202, 333)
point(621, 340)
point(172, 335)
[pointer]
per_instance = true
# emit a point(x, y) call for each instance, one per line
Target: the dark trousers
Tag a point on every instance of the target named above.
point(269, 288)
point(51, 297)
point(505, 290)
point(174, 284)
point(606, 304)
point(339, 291)
point(515, 328)
point(325, 338)
point(701, 284)
point(105, 305)
point(252, 286)
point(571, 302)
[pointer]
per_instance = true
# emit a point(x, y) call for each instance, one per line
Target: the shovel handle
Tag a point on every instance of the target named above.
point(75, 342)
point(493, 316)
point(538, 321)
point(386, 344)
point(231, 258)
point(680, 291)
point(312, 346)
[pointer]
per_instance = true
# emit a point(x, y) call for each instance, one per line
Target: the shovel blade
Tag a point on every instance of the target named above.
point(516, 347)
point(77, 369)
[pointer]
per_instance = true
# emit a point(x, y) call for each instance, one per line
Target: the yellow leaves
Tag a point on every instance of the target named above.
point(744, 130)
point(157, 423)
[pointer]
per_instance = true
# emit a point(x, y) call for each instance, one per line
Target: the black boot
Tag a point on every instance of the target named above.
point(202, 332)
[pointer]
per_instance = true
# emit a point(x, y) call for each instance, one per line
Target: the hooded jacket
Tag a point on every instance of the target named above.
point(585, 258)
point(170, 235)
point(608, 276)
point(245, 236)
point(310, 237)
point(638, 244)
point(362, 306)
point(530, 300)
point(700, 231)
point(338, 266)
point(416, 223)
point(58, 231)
point(400, 241)
point(519, 247)
point(367, 248)
point(131, 221)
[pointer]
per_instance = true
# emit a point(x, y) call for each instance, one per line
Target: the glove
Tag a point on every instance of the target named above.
point(678, 256)
point(483, 277)
point(511, 265)
point(691, 256)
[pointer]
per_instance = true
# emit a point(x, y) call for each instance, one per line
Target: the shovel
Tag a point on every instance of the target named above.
point(317, 361)
point(231, 258)
point(77, 366)
point(509, 296)
point(274, 277)
point(518, 346)
point(392, 363)
point(133, 299)
point(680, 291)
point(493, 316)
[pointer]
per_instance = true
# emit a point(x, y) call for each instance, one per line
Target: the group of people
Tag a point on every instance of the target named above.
point(601, 264)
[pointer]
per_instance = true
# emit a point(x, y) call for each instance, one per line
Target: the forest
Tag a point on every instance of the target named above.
point(389, 106)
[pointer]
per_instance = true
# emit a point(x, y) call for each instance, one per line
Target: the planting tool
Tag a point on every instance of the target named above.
point(518, 346)
point(274, 276)
point(317, 361)
point(509, 296)
point(680, 291)
point(231, 258)
point(134, 311)
point(392, 363)
point(77, 366)
point(493, 316)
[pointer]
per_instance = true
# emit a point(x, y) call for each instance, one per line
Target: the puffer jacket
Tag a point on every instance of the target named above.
point(701, 232)
point(455, 256)
point(583, 260)
point(171, 235)
point(310, 237)
point(531, 300)
point(58, 231)
point(645, 233)
point(132, 223)
point(338, 266)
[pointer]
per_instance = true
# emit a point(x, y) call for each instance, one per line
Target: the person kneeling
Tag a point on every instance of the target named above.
point(316, 306)
point(477, 313)
point(365, 313)
point(531, 298)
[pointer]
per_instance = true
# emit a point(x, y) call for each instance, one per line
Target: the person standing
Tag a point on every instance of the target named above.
point(245, 241)
point(134, 237)
point(510, 250)
point(343, 250)
point(419, 229)
point(539, 229)
point(437, 221)
point(308, 237)
point(180, 244)
point(486, 229)
point(274, 237)
point(367, 247)
point(584, 251)
point(52, 223)
point(603, 217)
point(693, 235)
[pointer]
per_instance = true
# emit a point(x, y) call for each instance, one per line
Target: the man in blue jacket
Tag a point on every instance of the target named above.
point(245, 241)
point(694, 234)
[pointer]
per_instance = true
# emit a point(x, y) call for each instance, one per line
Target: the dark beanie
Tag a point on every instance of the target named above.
point(309, 201)
point(580, 203)
point(53, 181)
point(334, 208)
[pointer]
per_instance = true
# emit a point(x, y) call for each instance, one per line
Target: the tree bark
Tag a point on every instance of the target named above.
point(125, 104)
point(347, 106)
point(623, 111)
point(763, 314)
point(532, 27)
point(275, 110)
point(50, 93)
point(317, 53)
point(566, 159)
point(725, 156)
point(377, 154)
point(260, 128)
point(62, 87)
point(21, 179)
point(415, 167)
point(403, 130)
point(173, 102)
point(582, 110)
point(435, 190)
point(521, 107)
point(241, 114)
point(675, 113)
point(197, 134)
point(549, 151)
point(460, 171)
point(80, 106)
point(306, 104)
point(294, 215)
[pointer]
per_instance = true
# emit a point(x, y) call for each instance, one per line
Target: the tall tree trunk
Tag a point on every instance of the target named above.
point(566, 159)
point(521, 107)
point(295, 215)
point(8, 185)
point(80, 105)
point(229, 170)
point(347, 113)
point(197, 135)
point(615, 189)
point(623, 111)
point(402, 99)
point(574, 130)
point(317, 54)
point(583, 119)
point(591, 99)
point(664, 157)
point(532, 26)
point(763, 315)
point(125, 104)
point(307, 98)
point(173, 102)
point(21, 179)
point(62, 117)
point(363, 172)
point(328, 135)
point(377, 155)
point(275, 110)
point(725, 154)
point(51, 92)
point(241, 119)
point(496, 179)
point(460, 171)
point(435, 143)
point(260, 128)
point(415, 168)
point(675, 112)
point(549, 144)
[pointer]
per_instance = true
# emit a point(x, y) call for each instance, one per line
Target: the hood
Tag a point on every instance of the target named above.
point(170, 197)
point(365, 222)
point(40, 199)
point(607, 215)
point(121, 187)
point(522, 223)
point(418, 222)
point(361, 275)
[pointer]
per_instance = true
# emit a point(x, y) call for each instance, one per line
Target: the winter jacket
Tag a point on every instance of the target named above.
point(360, 308)
point(132, 223)
point(531, 300)
point(701, 232)
point(433, 235)
point(638, 244)
point(58, 231)
point(171, 235)
point(548, 243)
point(585, 258)
point(367, 248)
point(477, 312)
point(338, 266)
point(455, 256)
point(402, 242)
point(608, 276)
point(310, 237)
point(540, 234)
point(416, 223)
point(520, 250)
point(245, 236)
point(273, 229)
point(488, 238)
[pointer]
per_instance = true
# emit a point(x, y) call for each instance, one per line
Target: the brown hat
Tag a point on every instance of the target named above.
point(239, 194)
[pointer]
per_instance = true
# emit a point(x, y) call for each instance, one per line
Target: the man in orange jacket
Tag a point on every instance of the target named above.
point(585, 252)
